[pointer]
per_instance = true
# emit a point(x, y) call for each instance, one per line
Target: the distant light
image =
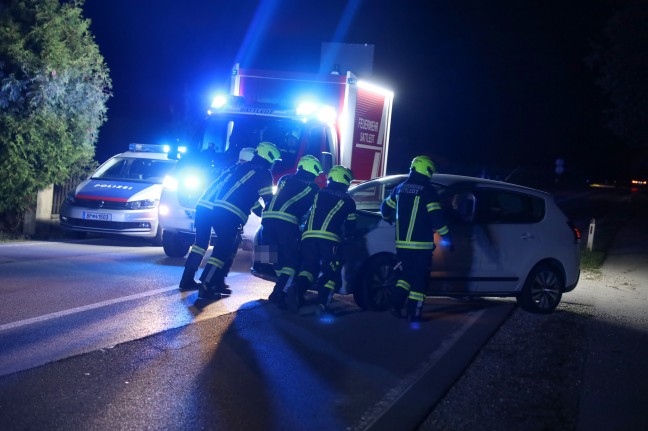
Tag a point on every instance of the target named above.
point(166, 148)
point(182, 149)
point(163, 210)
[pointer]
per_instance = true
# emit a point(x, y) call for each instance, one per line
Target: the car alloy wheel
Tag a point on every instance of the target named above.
point(543, 289)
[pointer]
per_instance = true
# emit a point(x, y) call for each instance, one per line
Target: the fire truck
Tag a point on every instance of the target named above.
point(339, 118)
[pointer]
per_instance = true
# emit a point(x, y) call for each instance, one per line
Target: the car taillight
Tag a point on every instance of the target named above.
point(575, 231)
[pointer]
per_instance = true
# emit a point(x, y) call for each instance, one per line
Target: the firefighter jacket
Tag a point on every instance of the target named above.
point(332, 215)
point(294, 196)
point(238, 189)
point(414, 204)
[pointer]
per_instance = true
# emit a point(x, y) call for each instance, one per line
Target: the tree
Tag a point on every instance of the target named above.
point(622, 63)
point(54, 86)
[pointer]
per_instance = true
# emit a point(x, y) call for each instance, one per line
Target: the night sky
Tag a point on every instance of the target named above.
point(478, 84)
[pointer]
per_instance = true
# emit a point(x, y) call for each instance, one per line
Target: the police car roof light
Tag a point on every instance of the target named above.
point(148, 148)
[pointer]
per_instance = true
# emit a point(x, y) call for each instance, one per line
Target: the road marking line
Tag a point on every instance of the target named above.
point(88, 307)
point(374, 413)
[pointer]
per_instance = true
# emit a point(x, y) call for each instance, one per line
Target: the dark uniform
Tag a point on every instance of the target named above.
point(230, 199)
point(414, 205)
point(283, 216)
point(203, 226)
point(331, 217)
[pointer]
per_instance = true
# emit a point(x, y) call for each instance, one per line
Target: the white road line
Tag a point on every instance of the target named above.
point(373, 414)
point(88, 307)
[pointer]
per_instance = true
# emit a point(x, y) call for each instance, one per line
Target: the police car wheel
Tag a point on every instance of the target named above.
point(542, 290)
point(156, 241)
point(377, 282)
point(173, 246)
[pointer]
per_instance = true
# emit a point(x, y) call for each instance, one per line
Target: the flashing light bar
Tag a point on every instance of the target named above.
point(323, 113)
point(219, 101)
point(148, 148)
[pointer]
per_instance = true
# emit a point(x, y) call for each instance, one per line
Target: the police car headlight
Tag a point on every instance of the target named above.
point(143, 204)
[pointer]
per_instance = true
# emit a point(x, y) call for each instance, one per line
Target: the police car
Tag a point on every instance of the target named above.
point(121, 197)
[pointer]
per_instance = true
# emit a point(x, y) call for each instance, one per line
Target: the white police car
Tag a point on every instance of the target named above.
point(121, 196)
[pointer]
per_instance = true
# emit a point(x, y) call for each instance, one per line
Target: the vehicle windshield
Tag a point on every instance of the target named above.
point(370, 194)
point(134, 169)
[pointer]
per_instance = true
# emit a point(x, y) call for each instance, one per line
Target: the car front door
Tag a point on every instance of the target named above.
point(506, 238)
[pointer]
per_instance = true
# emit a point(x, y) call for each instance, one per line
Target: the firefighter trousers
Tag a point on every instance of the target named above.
point(413, 280)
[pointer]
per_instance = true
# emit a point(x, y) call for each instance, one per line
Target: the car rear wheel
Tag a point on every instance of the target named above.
point(377, 281)
point(543, 289)
point(173, 245)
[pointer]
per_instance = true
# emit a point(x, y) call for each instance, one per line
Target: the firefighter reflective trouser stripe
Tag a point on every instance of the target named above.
point(415, 275)
point(195, 257)
point(202, 223)
point(226, 226)
point(307, 275)
point(283, 237)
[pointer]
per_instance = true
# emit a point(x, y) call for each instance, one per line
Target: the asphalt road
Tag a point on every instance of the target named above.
point(85, 344)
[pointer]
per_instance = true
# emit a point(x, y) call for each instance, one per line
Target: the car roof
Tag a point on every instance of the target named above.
point(456, 181)
point(144, 155)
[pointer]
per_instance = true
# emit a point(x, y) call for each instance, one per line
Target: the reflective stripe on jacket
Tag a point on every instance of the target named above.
point(332, 214)
point(414, 204)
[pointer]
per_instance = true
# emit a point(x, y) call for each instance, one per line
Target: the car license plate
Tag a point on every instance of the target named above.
point(97, 216)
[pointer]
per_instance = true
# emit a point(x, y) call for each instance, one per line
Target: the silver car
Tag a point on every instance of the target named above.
point(121, 197)
point(509, 241)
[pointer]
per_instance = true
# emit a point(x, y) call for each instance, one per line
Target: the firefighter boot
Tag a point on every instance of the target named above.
point(214, 279)
point(278, 295)
point(414, 308)
point(187, 281)
point(295, 294)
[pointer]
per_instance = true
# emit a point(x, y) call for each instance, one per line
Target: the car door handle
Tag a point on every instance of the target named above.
point(527, 236)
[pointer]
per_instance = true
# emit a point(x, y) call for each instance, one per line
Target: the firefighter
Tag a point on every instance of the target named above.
point(203, 226)
point(414, 205)
point(332, 217)
point(231, 198)
point(283, 216)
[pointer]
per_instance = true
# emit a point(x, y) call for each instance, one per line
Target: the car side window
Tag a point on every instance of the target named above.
point(502, 206)
point(369, 196)
point(461, 207)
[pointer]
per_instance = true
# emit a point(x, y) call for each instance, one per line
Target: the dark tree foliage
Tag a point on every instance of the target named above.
point(623, 64)
point(54, 86)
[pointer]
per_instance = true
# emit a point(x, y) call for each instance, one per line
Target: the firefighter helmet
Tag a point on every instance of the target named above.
point(268, 151)
point(341, 174)
point(246, 154)
point(423, 165)
point(310, 164)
